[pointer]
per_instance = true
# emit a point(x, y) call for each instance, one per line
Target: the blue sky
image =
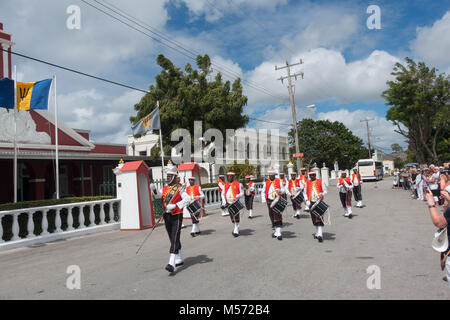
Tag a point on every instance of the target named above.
point(346, 65)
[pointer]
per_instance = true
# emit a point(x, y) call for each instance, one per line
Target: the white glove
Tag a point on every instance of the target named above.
point(308, 203)
point(170, 206)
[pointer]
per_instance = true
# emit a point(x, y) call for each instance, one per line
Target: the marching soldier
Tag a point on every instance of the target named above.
point(357, 182)
point(303, 178)
point(173, 197)
point(272, 189)
point(221, 185)
point(194, 193)
point(295, 186)
point(315, 190)
point(345, 187)
point(232, 191)
point(249, 189)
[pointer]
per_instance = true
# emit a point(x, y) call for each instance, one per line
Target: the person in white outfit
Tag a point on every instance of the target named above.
point(232, 191)
point(419, 185)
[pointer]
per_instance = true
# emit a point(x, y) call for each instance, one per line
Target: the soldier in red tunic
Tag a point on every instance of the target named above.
point(173, 198)
point(194, 193)
point(232, 191)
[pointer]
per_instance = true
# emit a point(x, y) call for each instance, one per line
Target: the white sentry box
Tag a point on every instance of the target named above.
point(133, 189)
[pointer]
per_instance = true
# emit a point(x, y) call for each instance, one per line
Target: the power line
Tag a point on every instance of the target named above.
point(75, 71)
point(284, 124)
point(187, 53)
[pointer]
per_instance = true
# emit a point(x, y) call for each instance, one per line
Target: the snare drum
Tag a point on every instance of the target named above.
point(299, 198)
point(319, 208)
point(235, 207)
point(280, 205)
point(194, 207)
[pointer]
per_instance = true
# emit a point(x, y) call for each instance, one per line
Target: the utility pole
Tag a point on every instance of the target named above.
point(368, 134)
point(291, 99)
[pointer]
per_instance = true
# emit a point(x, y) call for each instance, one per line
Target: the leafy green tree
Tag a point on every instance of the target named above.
point(188, 96)
point(420, 108)
point(324, 141)
point(399, 163)
point(396, 147)
point(242, 169)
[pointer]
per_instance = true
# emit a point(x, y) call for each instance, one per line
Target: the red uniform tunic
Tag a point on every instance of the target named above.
point(175, 199)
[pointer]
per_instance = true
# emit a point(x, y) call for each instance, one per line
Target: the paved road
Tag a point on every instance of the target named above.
point(393, 232)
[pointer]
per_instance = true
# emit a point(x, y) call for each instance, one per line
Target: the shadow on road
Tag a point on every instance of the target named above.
point(192, 261)
point(207, 232)
point(329, 236)
point(246, 232)
point(288, 234)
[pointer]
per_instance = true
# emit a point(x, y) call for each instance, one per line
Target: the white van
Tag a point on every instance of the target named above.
point(370, 169)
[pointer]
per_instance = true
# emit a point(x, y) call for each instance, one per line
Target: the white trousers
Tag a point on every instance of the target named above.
point(419, 191)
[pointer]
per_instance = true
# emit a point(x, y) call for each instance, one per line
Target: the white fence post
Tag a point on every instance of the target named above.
point(58, 220)
point(91, 216)
point(15, 228)
point(30, 225)
point(69, 219)
point(81, 217)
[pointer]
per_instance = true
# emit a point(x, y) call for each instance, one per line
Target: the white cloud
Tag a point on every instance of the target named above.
point(327, 75)
point(214, 10)
point(433, 43)
point(106, 117)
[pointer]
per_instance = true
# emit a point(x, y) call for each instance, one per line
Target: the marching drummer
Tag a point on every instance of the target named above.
point(315, 191)
point(249, 189)
point(272, 190)
point(195, 193)
point(221, 185)
point(303, 177)
point(345, 187)
point(294, 187)
point(232, 191)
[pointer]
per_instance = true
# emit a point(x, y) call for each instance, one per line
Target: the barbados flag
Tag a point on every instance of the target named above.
point(7, 93)
point(33, 95)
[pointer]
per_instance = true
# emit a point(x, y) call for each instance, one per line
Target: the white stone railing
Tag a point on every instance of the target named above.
point(213, 198)
point(64, 225)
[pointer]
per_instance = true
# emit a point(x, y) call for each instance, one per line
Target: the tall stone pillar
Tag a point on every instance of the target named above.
point(325, 177)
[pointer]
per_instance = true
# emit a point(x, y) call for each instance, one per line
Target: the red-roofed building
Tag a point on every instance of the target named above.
point(85, 167)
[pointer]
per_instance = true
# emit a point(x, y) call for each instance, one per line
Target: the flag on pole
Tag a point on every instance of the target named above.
point(7, 93)
point(148, 123)
point(33, 95)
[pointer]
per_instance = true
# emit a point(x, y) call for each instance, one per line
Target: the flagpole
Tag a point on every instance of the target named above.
point(56, 141)
point(162, 149)
point(15, 133)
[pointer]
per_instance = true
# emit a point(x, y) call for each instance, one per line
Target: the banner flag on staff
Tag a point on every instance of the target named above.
point(22, 96)
point(33, 95)
point(150, 123)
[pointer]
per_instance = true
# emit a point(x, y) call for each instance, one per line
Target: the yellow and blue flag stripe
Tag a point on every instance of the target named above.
point(32, 95)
